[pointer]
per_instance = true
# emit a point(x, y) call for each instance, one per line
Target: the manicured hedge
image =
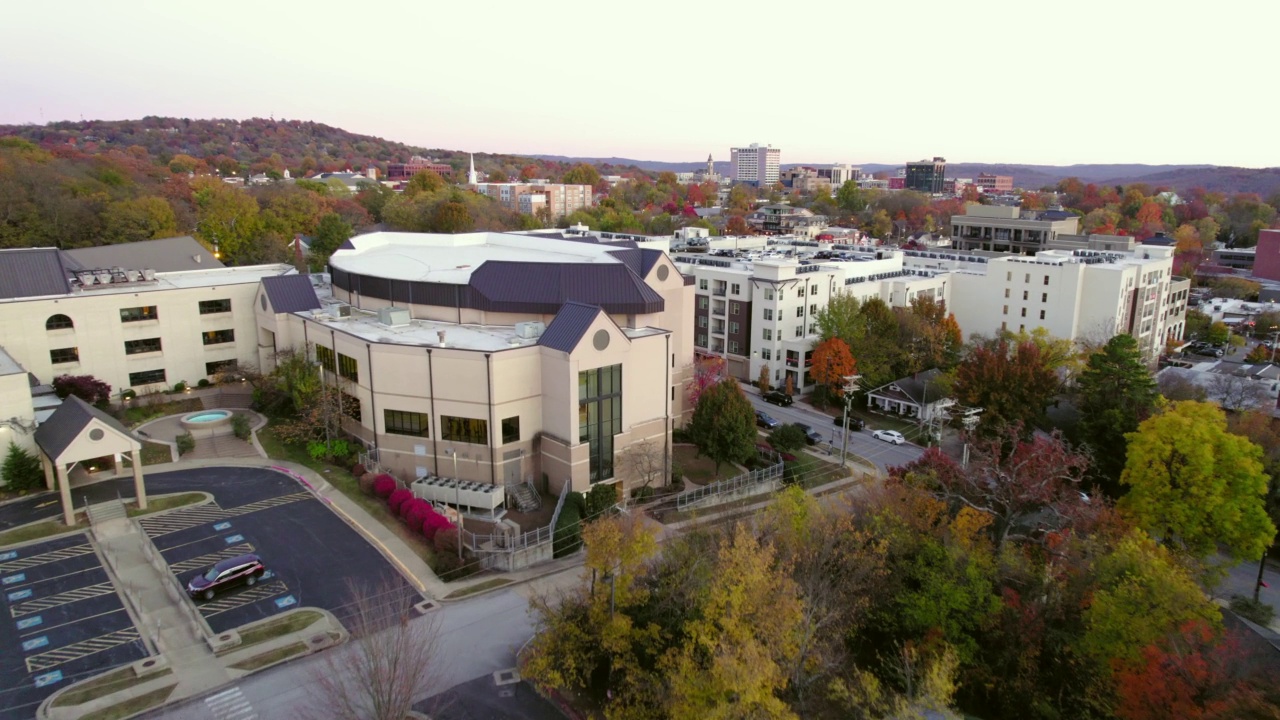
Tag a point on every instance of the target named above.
point(398, 498)
point(413, 512)
point(568, 530)
point(384, 486)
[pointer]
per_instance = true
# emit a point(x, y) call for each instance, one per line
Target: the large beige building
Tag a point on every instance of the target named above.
point(529, 198)
point(1005, 229)
point(498, 358)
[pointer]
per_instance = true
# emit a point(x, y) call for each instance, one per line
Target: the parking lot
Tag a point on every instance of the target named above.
point(313, 558)
point(62, 621)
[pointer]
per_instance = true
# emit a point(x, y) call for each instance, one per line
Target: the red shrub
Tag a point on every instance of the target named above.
point(433, 522)
point(407, 506)
point(398, 498)
point(416, 515)
point(384, 486)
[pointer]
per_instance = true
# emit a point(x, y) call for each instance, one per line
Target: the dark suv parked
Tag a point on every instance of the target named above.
point(778, 397)
point(241, 570)
point(855, 423)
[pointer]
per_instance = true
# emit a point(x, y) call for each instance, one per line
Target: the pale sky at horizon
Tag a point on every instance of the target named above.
point(1002, 82)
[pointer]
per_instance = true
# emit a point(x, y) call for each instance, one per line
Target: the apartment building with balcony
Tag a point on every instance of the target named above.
point(1004, 229)
point(557, 199)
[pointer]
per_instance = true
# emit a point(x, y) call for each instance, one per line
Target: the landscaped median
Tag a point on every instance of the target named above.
point(149, 683)
point(48, 528)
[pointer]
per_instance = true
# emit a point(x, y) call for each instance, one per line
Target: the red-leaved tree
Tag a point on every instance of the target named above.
point(707, 371)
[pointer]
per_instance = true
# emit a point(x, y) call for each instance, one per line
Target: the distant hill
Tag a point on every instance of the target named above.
point(627, 163)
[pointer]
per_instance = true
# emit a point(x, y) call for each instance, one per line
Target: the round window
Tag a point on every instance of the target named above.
point(663, 272)
point(263, 301)
point(601, 339)
point(96, 434)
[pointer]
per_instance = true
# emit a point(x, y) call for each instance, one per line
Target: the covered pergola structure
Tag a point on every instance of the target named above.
point(76, 432)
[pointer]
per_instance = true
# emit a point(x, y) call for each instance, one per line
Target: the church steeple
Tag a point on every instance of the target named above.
point(471, 174)
point(711, 166)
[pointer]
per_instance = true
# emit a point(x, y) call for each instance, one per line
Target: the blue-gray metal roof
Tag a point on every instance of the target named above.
point(569, 325)
point(504, 286)
point(32, 272)
point(290, 293)
point(66, 423)
point(164, 255)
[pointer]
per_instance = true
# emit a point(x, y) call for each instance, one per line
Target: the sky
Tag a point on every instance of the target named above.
point(1122, 81)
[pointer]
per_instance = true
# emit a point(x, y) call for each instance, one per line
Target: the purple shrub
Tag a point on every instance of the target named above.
point(398, 498)
point(384, 486)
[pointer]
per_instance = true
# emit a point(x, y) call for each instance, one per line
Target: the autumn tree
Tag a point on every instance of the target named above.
point(144, 218)
point(708, 370)
point(86, 387)
point(226, 219)
point(762, 382)
point(1195, 485)
point(724, 424)
point(425, 181)
point(451, 217)
point(582, 174)
point(1011, 383)
point(833, 364)
point(737, 226)
point(1116, 392)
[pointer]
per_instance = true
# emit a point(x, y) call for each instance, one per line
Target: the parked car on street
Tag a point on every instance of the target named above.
point(229, 573)
point(855, 423)
point(763, 420)
point(811, 436)
point(779, 398)
point(892, 436)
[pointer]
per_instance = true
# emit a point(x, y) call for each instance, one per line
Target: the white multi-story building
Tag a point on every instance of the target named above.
point(763, 313)
point(841, 174)
point(755, 164)
point(1081, 295)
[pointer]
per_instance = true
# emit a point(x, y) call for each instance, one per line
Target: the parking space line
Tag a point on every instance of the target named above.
point(242, 598)
point(84, 648)
point(211, 558)
point(36, 581)
point(167, 523)
point(63, 598)
point(48, 557)
point(42, 628)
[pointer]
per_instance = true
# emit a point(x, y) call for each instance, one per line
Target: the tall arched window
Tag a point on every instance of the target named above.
point(58, 322)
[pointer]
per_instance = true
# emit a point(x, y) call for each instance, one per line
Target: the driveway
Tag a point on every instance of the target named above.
point(882, 454)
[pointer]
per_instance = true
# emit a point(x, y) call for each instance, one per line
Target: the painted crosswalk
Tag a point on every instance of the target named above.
point(84, 648)
point(63, 598)
point(243, 597)
point(158, 525)
point(206, 560)
point(230, 705)
point(46, 557)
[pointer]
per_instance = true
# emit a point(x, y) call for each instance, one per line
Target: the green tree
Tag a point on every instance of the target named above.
point(724, 423)
point(787, 438)
point(451, 217)
point(21, 469)
point(226, 218)
point(851, 198)
point(330, 234)
point(426, 181)
point(1116, 393)
point(144, 218)
point(581, 174)
point(1194, 484)
point(879, 226)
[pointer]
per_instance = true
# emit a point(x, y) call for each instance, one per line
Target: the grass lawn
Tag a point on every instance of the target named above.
point(275, 628)
point(813, 471)
point(342, 479)
point(166, 502)
point(132, 707)
point(139, 412)
point(272, 656)
point(114, 681)
point(154, 453)
point(701, 470)
point(478, 587)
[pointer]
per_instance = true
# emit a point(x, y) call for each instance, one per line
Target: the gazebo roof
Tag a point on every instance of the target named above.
point(69, 421)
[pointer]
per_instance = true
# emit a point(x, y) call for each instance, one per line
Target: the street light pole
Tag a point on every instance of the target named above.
point(457, 497)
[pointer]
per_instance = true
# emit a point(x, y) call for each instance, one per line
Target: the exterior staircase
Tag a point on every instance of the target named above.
point(103, 512)
point(526, 498)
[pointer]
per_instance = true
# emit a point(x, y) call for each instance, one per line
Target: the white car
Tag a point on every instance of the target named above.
point(892, 436)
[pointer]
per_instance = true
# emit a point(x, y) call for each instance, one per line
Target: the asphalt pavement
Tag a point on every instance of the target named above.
point(882, 454)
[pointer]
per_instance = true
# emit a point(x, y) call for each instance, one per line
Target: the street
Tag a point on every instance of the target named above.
point(478, 637)
point(881, 453)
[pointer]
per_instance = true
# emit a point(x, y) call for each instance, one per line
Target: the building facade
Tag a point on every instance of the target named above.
point(755, 164)
point(497, 358)
point(926, 176)
point(1005, 229)
point(133, 329)
point(559, 200)
point(994, 183)
point(416, 164)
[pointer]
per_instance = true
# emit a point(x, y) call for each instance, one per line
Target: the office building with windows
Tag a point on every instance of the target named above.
point(133, 327)
point(493, 357)
point(926, 176)
point(529, 198)
point(755, 164)
point(1006, 229)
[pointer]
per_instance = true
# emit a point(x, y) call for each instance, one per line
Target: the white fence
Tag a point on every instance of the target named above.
point(744, 484)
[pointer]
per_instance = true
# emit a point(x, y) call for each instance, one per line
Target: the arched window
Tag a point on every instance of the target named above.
point(58, 322)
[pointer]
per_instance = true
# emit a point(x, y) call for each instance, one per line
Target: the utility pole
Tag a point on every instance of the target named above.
point(970, 422)
point(850, 383)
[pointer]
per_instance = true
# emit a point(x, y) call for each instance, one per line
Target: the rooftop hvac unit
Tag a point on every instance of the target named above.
point(132, 275)
point(104, 277)
point(148, 274)
point(85, 278)
point(392, 316)
point(530, 330)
